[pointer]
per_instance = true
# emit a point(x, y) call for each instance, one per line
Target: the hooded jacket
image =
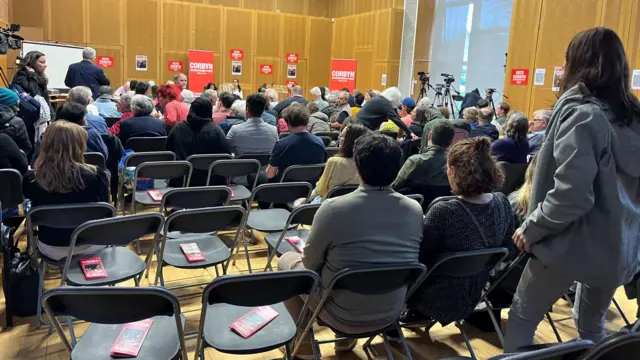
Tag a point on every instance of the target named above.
point(13, 126)
point(584, 216)
point(488, 130)
point(318, 122)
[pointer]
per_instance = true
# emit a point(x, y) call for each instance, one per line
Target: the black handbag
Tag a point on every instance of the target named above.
point(19, 279)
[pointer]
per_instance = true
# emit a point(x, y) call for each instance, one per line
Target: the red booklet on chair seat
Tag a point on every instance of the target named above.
point(296, 242)
point(156, 195)
point(92, 268)
point(253, 321)
point(232, 193)
point(192, 252)
point(131, 338)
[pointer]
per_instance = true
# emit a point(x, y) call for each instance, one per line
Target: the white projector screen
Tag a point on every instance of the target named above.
point(59, 57)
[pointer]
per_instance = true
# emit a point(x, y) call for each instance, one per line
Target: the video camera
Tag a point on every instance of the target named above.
point(448, 78)
point(9, 40)
point(424, 77)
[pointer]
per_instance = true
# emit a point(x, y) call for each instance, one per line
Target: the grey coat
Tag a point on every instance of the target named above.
point(584, 216)
point(318, 122)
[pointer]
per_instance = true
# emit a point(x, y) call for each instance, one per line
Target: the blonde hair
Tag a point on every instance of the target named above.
point(524, 194)
point(58, 167)
point(470, 113)
point(226, 87)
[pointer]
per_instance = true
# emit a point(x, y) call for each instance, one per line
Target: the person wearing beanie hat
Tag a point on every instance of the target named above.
point(378, 110)
point(198, 135)
point(10, 123)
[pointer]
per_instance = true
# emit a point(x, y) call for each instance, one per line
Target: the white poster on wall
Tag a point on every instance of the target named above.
point(635, 80)
point(539, 78)
point(384, 80)
point(292, 71)
point(236, 68)
point(558, 73)
point(141, 63)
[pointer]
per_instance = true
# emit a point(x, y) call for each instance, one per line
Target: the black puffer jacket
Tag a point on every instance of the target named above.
point(30, 82)
point(13, 126)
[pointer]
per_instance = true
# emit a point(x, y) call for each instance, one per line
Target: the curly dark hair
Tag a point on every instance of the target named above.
point(476, 171)
point(517, 126)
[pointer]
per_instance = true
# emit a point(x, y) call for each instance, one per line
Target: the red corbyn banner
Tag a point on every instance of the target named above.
point(200, 69)
point(175, 66)
point(266, 69)
point(519, 76)
point(236, 54)
point(292, 58)
point(343, 74)
point(105, 61)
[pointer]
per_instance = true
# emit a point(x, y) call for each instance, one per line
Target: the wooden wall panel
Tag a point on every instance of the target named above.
point(142, 38)
point(422, 50)
point(115, 73)
point(382, 35)
point(105, 22)
point(268, 41)
point(294, 35)
point(319, 8)
point(364, 36)
point(319, 64)
point(22, 12)
point(208, 28)
point(633, 41)
point(259, 79)
point(228, 3)
point(68, 21)
point(339, 39)
point(614, 14)
point(395, 36)
point(267, 5)
point(173, 55)
point(292, 6)
point(238, 40)
point(175, 30)
point(364, 74)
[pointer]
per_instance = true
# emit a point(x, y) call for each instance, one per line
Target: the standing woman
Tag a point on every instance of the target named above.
point(584, 212)
point(237, 89)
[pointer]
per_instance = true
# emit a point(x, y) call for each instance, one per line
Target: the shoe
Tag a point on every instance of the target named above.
point(345, 345)
point(304, 353)
point(412, 316)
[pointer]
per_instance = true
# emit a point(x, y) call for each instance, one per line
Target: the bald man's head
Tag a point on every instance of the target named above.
point(485, 115)
point(297, 90)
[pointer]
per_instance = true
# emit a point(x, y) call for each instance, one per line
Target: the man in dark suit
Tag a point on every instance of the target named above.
point(295, 97)
point(85, 73)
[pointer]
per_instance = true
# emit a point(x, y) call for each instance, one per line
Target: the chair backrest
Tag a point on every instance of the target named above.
point(332, 151)
point(233, 168)
point(572, 350)
point(204, 161)
point(260, 288)
point(325, 140)
point(95, 159)
point(616, 346)
point(68, 216)
point(333, 135)
point(262, 158)
point(111, 120)
point(195, 197)
point(468, 263)
point(366, 281)
point(284, 135)
point(164, 170)
point(205, 220)
point(147, 144)
point(281, 193)
point(308, 173)
point(303, 214)
point(513, 176)
point(341, 190)
point(143, 157)
point(117, 231)
point(11, 189)
point(417, 197)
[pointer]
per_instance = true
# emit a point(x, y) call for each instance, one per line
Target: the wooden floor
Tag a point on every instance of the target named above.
point(24, 342)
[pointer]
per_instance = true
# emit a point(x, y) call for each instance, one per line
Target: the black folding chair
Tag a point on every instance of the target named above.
point(147, 144)
point(201, 222)
point(95, 159)
point(332, 151)
point(159, 170)
point(341, 190)
point(120, 263)
point(111, 120)
point(303, 173)
point(109, 309)
point(201, 164)
point(272, 219)
point(325, 140)
point(513, 176)
point(67, 217)
point(572, 350)
point(230, 169)
point(366, 281)
point(134, 160)
point(11, 189)
point(333, 135)
point(617, 346)
point(302, 215)
point(228, 298)
point(262, 158)
point(284, 135)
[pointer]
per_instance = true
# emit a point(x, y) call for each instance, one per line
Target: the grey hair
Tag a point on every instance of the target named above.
point(394, 95)
point(80, 95)
point(316, 91)
point(425, 101)
point(345, 94)
point(240, 108)
point(210, 95)
point(517, 126)
point(333, 97)
point(106, 90)
point(545, 114)
point(142, 105)
point(187, 96)
point(88, 53)
point(126, 98)
point(297, 90)
point(272, 94)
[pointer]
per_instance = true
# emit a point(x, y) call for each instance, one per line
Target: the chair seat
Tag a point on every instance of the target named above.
point(367, 334)
point(143, 197)
point(285, 247)
point(120, 263)
point(161, 343)
point(240, 193)
point(213, 249)
point(218, 334)
point(270, 220)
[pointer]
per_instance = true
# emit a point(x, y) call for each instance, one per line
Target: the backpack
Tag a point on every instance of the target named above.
point(29, 107)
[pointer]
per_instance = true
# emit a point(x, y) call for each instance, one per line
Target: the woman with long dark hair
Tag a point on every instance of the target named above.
point(237, 89)
point(514, 146)
point(30, 76)
point(583, 220)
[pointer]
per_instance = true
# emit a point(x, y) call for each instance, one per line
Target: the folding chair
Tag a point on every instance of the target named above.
point(514, 176)
point(332, 151)
point(11, 189)
point(272, 219)
point(571, 350)
point(120, 263)
point(159, 170)
point(201, 164)
point(228, 298)
point(417, 197)
point(193, 198)
point(303, 173)
point(111, 120)
point(341, 190)
point(325, 140)
point(366, 281)
point(262, 158)
point(67, 217)
point(134, 160)
point(95, 159)
point(198, 221)
point(464, 264)
point(235, 168)
point(109, 309)
point(302, 215)
point(617, 346)
point(333, 135)
point(284, 135)
point(147, 144)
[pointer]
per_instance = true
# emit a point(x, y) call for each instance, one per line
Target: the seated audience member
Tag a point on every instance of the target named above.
point(368, 95)
point(299, 148)
point(223, 108)
point(142, 88)
point(343, 110)
point(123, 89)
point(210, 86)
point(268, 115)
point(76, 114)
point(272, 97)
point(380, 109)
point(358, 97)
point(425, 173)
point(482, 104)
point(502, 112)
point(484, 127)
point(82, 95)
point(318, 122)
point(124, 107)
point(296, 97)
point(444, 111)
point(406, 108)
point(253, 136)
point(210, 95)
point(470, 115)
point(432, 117)
point(316, 98)
point(519, 199)
point(332, 100)
point(371, 226)
point(173, 109)
point(10, 155)
point(197, 135)
point(142, 124)
point(62, 177)
point(132, 86)
point(463, 130)
point(238, 116)
point(514, 147)
point(537, 136)
point(106, 104)
point(475, 219)
point(10, 123)
point(352, 100)
point(419, 120)
point(187, 97)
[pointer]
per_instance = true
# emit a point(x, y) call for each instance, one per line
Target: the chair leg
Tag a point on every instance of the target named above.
point(244, 240)
point(624, 317)
point(368, 342)
point(404, 343)
point(40, 292)
point(496, 324)
point(387, 347)
point(553, 327)
point(72, 333)
point(460, 327)
point(287, 351)
point(217, 272)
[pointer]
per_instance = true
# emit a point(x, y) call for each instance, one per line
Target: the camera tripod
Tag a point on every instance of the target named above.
point(4, 78)
point(446, 99)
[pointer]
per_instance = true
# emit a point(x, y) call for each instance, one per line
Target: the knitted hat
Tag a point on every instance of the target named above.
point(8, 97)
point(202, 108)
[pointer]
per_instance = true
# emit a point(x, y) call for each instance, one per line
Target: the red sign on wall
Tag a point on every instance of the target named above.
point(343, 74)
point(292, 58)
point(104, 61)
point(290, 83)
point(266, 69)
point(200, 69)
point(519, 76)
point(236, 54)
point(175, 66)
